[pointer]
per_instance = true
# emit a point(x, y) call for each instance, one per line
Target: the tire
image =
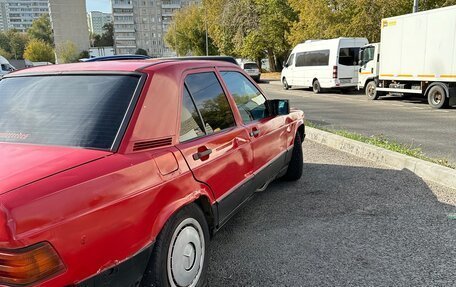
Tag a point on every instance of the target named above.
point(371, 91)
point(294, 171)
point(285, 84)
point(180, 258)
point(316, 87)
point(437, 97)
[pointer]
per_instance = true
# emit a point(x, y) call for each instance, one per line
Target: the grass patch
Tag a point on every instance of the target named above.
point(383, 142)
point(270, 76)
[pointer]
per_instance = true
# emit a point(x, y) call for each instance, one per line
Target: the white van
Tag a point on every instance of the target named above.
point(5, 66)
point(324, 64)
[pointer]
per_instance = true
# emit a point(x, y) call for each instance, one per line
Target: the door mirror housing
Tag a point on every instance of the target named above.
point(285, 64)
point(278, 107)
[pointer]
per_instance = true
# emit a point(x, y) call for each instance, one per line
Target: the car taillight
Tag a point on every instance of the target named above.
point(335, 72)
point(28, 265)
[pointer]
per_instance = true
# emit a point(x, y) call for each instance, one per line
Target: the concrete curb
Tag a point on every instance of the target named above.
point(424, 169)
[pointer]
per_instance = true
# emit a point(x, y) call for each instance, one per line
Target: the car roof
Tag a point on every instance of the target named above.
point(116, 58)
point(116, 66)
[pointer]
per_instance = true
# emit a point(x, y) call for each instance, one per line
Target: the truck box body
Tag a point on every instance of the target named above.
point(419, 46)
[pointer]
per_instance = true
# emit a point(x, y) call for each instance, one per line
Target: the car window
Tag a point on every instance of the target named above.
point(251, 66)
point(191, 123)
point(70, 110)
point(249, 100)
point(211, 101)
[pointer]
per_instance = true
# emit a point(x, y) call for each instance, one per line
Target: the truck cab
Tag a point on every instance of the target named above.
point(369, 59)
point(5, 66)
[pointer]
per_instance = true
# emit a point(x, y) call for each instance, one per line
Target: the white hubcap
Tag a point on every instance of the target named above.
point(186, 254)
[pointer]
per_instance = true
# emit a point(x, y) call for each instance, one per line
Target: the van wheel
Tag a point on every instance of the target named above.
point(316, 87)
point(371, 91)
point(285, 84)
point(437, 98)
point(294, 171)
point(180, 253)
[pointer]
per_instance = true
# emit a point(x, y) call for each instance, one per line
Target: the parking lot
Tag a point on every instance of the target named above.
point(409, 121)
point(347, 222)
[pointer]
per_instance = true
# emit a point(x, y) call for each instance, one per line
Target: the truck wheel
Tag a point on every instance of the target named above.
point(371, 91)
point(437, 97)
point(180, 253)
point(316, 87)
point(294, 171)
point(285, 84)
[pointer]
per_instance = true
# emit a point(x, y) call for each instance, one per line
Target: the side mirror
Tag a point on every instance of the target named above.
point(278, 107)
point(285, 64)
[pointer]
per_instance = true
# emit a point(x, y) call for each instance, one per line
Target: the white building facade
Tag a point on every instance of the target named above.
point(20, 14)
point(97, 20)
point(142, 24)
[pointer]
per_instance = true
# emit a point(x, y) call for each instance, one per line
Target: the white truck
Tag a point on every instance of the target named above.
point(416, 55)
point(5, 67)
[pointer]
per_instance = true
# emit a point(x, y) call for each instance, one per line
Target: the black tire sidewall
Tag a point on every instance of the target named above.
point(156, 273)
point(295, 166)
point(316, 88)
point(376, 95)
point(285, 84)
point(442, 91)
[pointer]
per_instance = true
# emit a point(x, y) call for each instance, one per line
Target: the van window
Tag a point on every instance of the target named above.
point(290, 61)
point(349, 56)
point(312, 58)
point(5, 67)
point(211, 101)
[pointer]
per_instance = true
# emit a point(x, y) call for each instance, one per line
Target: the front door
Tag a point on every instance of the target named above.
point(217, 150)
point(269, 135)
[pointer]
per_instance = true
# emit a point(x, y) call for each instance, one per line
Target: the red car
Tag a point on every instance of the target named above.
point(118, 173)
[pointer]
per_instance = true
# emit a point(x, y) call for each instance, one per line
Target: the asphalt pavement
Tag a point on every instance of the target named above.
point(347, 222)
point(406, 120)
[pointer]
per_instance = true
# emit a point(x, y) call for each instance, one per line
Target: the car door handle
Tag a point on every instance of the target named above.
point(254, 133)
point(202, 154)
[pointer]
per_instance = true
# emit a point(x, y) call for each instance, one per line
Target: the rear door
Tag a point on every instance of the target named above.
point(348, 63)
point(217, 150)
point(269, 135)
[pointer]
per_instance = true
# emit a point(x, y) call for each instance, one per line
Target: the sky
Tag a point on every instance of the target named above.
point(99, 5)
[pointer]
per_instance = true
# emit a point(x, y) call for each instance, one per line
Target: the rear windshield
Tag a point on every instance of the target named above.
point(65, 110)
point(349, 56)
point(250, 66)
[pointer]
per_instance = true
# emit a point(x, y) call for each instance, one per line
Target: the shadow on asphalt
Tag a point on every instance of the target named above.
point(339, 226)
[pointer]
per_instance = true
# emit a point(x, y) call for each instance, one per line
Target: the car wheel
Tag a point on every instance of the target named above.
point(437, 97)
point(371, 91)
point(294, 171)
point(285, 84)
point(180, 253)
point(316, 87)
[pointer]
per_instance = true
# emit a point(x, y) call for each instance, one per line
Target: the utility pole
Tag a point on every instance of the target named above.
point(415, 6)
point(205, 20)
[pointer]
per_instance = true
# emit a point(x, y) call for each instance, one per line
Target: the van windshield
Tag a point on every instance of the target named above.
point(349, 56)
point(65, 110)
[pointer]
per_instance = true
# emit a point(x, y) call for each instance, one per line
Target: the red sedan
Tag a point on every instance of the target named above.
point(118, 173)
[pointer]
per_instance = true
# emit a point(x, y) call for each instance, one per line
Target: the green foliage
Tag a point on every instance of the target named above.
point(105, 40)
point(187, 33)
point(5, 54)
point(41, 30)
point(67, 53)
point(141, 52)
point(39, 51)
point(84, 55)
point(13, 43)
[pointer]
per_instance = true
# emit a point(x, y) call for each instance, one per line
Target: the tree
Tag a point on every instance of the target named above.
point(67, 53)
point(17, 43)
point(107, 38)
point(141, 52)
point(5, 54)
point(187, 33)
point(41, 29)
point(84, 55)
point(39, 51)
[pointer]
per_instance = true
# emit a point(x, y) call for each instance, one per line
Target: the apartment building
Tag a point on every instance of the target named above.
point(97, 20)
point(69, 22)
point(142, 24)
point(20, 14)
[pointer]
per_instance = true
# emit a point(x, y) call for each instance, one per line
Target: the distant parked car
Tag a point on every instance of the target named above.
point(252, 69)
point(116, 58)
point(118, 173)
point(5, 66)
